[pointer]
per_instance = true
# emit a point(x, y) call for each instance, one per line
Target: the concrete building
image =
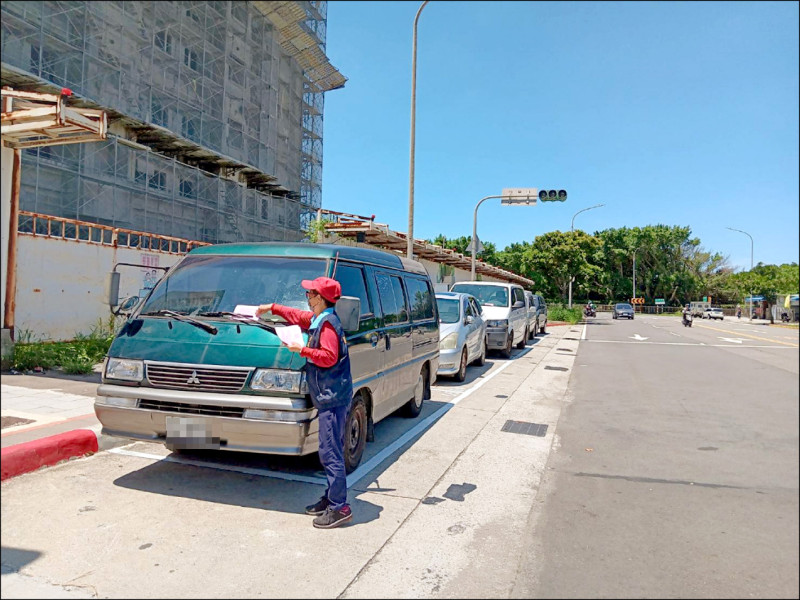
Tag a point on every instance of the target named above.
point(215, 113)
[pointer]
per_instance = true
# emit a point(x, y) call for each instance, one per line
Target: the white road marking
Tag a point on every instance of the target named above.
point(733, 340)
point(583, 334)
point(692, 344)
point(638, 338)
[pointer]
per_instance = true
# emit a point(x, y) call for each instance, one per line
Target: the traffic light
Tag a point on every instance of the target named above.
point(552, 195)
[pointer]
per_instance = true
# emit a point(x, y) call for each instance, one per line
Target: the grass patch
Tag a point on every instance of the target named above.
point(562, 313)
point(75, 357)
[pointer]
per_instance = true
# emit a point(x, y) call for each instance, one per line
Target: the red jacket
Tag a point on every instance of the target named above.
point(328, 352)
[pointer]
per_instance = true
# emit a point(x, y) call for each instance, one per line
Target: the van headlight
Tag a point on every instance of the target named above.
point(449, 342)
point(277, 380)
point(497, 323)
point(125, 368)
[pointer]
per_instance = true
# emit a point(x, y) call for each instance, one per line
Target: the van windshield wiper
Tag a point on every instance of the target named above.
point(234, 318)
point(178, 316)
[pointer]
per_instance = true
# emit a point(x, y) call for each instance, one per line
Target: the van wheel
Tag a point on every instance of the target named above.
point(461, 375)
point(523, 340)
point(481, 360)
point(544, 328)
point(506, 352)
point(421, 391)
point(355, 434)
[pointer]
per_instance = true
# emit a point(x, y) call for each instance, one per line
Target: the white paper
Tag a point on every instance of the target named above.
point(290, 335)
point(245, 311)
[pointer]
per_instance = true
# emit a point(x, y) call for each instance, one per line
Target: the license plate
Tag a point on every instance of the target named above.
point(191, 433)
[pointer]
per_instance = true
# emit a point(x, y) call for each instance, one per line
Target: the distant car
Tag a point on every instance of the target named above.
point(622, 309)
point(462, 334)
point(713, 313)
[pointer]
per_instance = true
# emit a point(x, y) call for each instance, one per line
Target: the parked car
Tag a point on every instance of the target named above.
point(186, 372)
point(713, 313)
point(504, 310)
point(540, 307)
point(622, 309)
point(462, 334)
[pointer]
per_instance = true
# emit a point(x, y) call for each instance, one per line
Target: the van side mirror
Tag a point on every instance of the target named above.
point(469, 320)
point(111, 290)
point(348, 309)
point(519, 304)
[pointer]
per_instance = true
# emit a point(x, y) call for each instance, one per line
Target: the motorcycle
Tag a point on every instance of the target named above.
point(589, 312)
point(687, 319)
point(785, 317)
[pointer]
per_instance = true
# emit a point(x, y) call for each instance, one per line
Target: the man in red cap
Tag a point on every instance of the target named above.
point(331, 387)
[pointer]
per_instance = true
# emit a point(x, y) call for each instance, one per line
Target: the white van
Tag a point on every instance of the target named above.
point(504, 310)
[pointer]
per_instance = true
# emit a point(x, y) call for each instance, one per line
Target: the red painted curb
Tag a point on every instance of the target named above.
point(29, 456)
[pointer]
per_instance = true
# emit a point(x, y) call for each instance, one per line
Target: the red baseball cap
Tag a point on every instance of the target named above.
point(325, 286)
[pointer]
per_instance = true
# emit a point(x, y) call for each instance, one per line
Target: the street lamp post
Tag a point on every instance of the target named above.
point(410, 241)
point(751, 266)
point(510, 196)
point(572, 230)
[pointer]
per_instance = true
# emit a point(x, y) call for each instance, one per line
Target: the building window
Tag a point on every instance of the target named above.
point(187, 189)
point(164, 41)
point(158, 181)
point(140, 174)
point(189, 128)
point(159, 113)
point(190, 59)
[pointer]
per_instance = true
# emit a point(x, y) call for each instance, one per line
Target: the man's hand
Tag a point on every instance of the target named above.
point(263, 308)
point(294, 347)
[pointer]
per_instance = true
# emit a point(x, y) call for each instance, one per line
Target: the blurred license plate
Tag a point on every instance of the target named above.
point(191, 433)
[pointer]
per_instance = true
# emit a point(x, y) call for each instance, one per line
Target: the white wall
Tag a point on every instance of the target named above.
point(61, 284)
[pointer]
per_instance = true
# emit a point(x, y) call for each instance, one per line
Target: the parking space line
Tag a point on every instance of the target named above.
point(373, 462)
point(210, 465)
point(356, 475)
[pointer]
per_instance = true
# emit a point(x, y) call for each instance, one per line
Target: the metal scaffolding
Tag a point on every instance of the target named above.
point(215, 110)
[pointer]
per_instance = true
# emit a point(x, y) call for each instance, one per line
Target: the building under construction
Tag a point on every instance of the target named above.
point(215, 113)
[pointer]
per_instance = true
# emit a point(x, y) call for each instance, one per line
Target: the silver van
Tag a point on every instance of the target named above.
point(184, 369)
point(504, 310)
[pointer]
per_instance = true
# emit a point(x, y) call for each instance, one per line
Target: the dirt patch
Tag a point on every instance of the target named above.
point(12, 421)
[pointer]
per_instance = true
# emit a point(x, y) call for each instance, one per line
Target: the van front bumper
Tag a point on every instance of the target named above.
point(496, 338)
point(292, 429)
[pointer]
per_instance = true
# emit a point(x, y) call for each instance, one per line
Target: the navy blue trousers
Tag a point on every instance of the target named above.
point(331, 454)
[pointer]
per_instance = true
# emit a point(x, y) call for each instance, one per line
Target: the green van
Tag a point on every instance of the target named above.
point(184, 371)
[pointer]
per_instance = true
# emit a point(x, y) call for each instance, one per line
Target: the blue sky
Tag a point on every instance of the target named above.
point(675, 113)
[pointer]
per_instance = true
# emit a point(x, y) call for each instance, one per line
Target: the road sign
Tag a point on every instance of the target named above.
point(637, 300)
point(660, 301)
point(468, 249)
point(754, 299)
point(517, 196)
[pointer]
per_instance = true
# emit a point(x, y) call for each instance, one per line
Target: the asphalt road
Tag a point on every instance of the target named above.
point(675, 473)
point(668, 467)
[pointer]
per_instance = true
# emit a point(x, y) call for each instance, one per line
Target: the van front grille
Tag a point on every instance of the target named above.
point(193, 409)
point(196, 377)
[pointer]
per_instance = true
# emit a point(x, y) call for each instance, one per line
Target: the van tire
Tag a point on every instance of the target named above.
point(355, 434)
point(506, 352)
point(461, 374)
point(523, 340)
point(544, 328)
point(421, 391)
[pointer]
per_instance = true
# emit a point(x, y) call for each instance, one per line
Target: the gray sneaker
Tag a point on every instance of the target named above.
point(318, 508)
point(333, 518)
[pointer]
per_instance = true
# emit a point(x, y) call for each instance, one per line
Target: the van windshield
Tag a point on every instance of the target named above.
point(218, 283)
point(487, 295)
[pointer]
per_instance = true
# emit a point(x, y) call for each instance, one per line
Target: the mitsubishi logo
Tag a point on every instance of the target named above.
point(193, 378)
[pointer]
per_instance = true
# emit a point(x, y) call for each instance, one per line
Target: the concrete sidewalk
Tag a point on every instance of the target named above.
point(48, 418)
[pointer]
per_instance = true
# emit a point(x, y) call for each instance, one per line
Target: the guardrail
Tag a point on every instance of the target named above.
point(41, 225)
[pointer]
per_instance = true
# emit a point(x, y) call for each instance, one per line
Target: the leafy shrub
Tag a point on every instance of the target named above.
point(77, 356)
point(558, 312)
